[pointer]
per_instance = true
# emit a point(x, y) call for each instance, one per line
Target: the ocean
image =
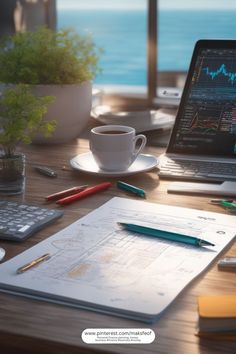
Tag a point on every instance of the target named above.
point(123, 35)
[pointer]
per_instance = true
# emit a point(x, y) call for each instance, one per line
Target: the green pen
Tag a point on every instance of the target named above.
point(166, 235)
point(229, 205)
point(128, 187)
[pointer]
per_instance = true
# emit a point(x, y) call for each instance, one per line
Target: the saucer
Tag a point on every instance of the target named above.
point(2, 253)
point(86, 163)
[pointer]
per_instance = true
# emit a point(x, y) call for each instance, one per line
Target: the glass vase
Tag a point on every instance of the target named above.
point(12, 174)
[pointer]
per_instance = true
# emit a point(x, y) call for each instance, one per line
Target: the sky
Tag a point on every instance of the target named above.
point(141, 4)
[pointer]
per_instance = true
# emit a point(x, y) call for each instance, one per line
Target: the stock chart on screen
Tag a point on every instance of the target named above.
point(209, 115)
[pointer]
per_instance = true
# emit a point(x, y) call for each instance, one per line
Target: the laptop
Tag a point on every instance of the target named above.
point(202, 145)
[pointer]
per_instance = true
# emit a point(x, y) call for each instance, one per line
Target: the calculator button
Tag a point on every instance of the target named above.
point(24, 228)
point(40, 217)
point(11, 230)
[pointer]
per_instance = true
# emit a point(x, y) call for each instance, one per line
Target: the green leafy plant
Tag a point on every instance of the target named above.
point(48, 57)
point(21, 117)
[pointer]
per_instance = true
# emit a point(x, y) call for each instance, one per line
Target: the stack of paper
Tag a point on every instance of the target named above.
point(95, 264)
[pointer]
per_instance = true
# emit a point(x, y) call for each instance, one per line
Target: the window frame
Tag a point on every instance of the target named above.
point(152, 50)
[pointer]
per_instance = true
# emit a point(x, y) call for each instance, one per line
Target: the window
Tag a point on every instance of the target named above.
point(180, 24)
point(122, 27)
point(126, 28)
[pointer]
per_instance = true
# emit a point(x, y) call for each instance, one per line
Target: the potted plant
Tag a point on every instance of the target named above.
point(61, 64)
point(21, 117)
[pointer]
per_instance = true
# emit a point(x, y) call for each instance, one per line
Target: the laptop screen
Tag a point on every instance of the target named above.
point(206, 119)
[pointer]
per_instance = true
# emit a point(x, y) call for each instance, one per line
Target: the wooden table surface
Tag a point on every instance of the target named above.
point(31, 326)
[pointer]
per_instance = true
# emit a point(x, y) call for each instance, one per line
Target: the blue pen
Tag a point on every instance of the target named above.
point(166, 235)
point(128, 187)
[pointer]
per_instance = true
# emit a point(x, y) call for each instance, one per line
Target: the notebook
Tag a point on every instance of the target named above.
point(217, 316)
point(203, 140)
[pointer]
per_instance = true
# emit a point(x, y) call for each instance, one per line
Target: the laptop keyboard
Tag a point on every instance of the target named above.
point(197, 170)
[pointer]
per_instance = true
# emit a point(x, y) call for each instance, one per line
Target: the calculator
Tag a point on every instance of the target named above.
point(19, 221)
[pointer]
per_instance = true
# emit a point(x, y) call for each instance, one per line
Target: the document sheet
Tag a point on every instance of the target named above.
point(96, 265)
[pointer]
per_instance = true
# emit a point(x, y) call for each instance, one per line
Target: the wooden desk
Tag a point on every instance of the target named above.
point(30, 326)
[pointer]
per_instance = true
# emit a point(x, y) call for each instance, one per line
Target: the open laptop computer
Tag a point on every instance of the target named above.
point(203, 140)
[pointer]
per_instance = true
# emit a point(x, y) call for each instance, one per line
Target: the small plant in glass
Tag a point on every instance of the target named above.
point(21, 117)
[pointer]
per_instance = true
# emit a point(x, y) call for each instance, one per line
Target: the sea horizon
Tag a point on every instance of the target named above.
point(122, 35)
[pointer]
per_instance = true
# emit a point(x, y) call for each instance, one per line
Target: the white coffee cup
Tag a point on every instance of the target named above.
point(115, 147)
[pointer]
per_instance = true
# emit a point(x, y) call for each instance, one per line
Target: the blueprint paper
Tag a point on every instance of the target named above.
point(96, 265)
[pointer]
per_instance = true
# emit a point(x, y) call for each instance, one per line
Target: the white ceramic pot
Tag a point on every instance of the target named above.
point(71, 110)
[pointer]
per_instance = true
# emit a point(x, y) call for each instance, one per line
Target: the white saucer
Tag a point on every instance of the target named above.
point(86, 163)
point(2, 253)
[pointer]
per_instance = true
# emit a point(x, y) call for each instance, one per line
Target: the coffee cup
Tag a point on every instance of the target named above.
point(115, 147)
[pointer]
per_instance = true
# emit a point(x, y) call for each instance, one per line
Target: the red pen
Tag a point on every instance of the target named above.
point(66, 193)
point(84, 193)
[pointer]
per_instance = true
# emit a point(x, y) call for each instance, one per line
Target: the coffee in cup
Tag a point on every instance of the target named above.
point(115, 147)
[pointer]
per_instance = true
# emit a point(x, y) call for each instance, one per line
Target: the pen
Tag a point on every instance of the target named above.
point(84, 193)
point(66, 192)
point(128, 187)
point(33, 263)
point(167, 235)
point(219, 201)
point(46, 171)
point(229, 205)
